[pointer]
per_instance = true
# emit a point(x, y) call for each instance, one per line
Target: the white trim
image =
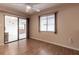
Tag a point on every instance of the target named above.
point(57, 44)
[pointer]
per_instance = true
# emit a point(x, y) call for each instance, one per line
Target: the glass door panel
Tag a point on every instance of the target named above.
point(11, 28)
point(22, 28)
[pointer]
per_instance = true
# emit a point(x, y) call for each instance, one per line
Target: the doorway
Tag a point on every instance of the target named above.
point(15, 29)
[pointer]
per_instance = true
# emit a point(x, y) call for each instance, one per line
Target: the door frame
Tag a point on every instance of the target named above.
point(27, 28)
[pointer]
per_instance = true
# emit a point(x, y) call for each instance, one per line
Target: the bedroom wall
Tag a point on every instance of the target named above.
point(67, 26)
point(1, 29)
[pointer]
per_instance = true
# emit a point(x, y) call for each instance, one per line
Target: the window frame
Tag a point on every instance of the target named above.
point(55, 14)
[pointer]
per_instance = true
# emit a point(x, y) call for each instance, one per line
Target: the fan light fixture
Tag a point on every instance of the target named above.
point(29, 8)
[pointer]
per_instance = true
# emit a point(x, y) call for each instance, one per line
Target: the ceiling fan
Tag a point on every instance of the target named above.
point(30, 7)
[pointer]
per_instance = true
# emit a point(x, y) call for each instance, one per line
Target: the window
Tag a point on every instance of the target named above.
point(47, 23)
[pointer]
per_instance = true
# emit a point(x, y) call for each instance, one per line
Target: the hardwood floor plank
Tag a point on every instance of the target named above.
point(34, 47)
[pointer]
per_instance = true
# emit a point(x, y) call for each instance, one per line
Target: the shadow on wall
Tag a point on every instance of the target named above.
point(75, 38)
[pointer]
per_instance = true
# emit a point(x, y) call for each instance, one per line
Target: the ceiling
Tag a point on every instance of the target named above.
point(22, 6)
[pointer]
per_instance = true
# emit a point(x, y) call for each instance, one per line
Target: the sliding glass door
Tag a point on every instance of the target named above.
point(22, 28)
point(11, 29)
point(15, 28)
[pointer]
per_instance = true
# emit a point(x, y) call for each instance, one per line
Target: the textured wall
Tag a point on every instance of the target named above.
point(1, 29)
point(67, 27)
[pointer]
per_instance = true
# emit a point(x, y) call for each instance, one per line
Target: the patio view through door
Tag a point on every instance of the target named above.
point(15, 29)
point(22, 28)
point(11, 32)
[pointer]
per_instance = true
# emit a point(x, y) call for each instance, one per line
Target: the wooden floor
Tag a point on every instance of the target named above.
point(34, 47)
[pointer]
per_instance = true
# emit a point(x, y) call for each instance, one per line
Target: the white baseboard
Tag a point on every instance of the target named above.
point(57, 44)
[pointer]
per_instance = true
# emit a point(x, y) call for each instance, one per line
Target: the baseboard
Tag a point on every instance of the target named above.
point(10, 42)
point(57, 44)
point(22, 38)
point(14, 41)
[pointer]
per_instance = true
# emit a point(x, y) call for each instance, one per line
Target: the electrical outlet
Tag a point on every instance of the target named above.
point(71, 41)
